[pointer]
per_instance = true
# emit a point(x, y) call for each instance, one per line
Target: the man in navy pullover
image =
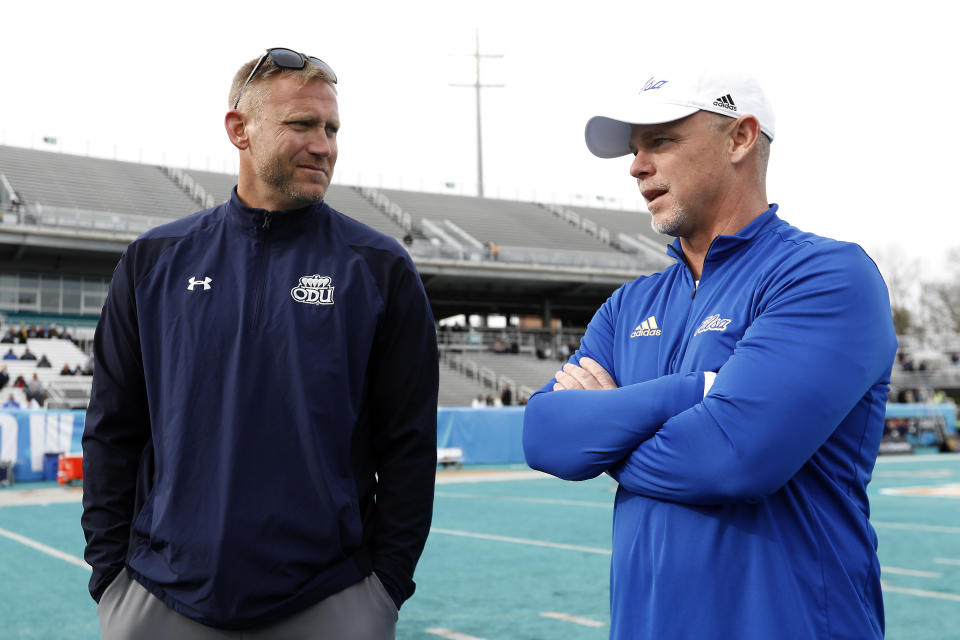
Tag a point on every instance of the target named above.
point(736, 397)
point(260, 445)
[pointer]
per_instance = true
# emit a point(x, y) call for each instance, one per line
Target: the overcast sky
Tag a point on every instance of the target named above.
point(864, 93)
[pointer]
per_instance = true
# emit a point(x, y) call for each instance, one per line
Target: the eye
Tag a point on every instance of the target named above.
point(659, 142)
point(331, 131)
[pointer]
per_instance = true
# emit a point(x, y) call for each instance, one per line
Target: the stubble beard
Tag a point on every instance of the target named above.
point(670, 222)
point(272, 172)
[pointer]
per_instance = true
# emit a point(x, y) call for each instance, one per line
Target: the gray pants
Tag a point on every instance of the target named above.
point(363, 611)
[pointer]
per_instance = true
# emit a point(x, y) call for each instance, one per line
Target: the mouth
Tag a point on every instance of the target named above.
point(651, 195)
point(310, 168)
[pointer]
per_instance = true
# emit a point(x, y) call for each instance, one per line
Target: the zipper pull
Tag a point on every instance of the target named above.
point(266, 222)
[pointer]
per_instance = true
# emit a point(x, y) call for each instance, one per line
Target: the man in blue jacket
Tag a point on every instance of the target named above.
point(737, 397)
point(260, 445)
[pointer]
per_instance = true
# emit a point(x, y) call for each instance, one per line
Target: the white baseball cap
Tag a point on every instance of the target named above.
point(668, 98)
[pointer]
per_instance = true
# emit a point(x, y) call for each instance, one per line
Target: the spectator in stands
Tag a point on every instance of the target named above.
point(33, 403)
point(506, 396)
point(327, 547)
point(66, 370)
point(64, 334)
point(10, 355)
point(52, 331)
point(491, 401)
point(11, 403)
point(955, 359)
point(36, 390)
point(478, 402)
point(88, 367)
point(19, 383)
point(32, 332)
point(27, 354)
point(80, 371)
point(10, 337)
point(43, 362)
point(717, 396)
point(408, 238)
point(4, 376)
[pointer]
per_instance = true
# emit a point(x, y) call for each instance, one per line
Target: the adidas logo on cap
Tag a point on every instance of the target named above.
point(726, 102)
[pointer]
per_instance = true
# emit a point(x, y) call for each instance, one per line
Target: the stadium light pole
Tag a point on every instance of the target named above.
point(477, 85)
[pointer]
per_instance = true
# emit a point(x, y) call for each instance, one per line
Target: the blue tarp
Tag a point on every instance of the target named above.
point(27, 436)
point(486, 436)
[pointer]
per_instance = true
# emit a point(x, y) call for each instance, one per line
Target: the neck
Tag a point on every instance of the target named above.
point(732, 217)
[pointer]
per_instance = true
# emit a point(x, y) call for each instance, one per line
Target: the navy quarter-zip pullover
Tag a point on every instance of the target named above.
point(262, 426)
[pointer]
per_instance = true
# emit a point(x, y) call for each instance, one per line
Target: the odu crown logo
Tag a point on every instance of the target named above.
point(313, 289)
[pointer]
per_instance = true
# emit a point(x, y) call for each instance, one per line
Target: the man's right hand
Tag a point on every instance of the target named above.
point(588, 375)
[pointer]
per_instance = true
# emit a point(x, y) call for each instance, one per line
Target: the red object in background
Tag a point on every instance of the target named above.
point(69, 468)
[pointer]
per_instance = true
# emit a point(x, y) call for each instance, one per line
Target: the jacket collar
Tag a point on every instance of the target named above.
point(723, 245)
point(260, 223)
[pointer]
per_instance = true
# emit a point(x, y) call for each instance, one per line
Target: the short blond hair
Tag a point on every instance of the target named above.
point(254, 94)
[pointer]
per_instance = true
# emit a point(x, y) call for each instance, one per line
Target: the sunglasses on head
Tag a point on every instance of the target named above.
point(287, 59)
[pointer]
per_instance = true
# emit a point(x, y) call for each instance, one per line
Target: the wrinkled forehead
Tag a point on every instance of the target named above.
point(288, 92)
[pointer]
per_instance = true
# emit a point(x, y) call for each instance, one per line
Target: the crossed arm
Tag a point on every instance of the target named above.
point(820, 343)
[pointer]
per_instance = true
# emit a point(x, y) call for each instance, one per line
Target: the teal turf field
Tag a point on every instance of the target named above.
point(513, 555)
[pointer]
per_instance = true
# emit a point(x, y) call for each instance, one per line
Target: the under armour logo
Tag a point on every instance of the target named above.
point(194, 282)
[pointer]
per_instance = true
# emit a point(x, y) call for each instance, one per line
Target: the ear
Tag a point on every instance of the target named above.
point(236, 126)
point(743, 137)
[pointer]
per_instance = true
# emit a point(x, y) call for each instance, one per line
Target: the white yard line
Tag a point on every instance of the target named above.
point(50, 551)
point(910, 572)
point(923, 593)
point(527, 541)
point(954, 561)
point(450, 635)
point(566, 617)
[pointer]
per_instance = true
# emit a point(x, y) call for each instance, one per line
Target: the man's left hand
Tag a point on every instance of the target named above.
point(588, 375)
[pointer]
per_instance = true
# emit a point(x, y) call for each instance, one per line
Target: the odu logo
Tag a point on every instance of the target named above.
point(313, 289)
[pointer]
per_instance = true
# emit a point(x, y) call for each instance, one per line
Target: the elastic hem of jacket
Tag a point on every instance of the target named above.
point(342, 575)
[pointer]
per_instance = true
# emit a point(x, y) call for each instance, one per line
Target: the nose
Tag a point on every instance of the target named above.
point(320, 145)
point(641, 167)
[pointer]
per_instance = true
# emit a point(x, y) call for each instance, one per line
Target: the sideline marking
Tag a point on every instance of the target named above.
point(566, 617)
point(535, 543)
point(923, 593)
point(458, 477)
point(955, 561)
point(932, 473)
point(916, 527)
point(452, 635)
point(572, 503)
point(933, 491)
point(926, 457)
point(910, 572)
point(50, 551)
point(28, 497)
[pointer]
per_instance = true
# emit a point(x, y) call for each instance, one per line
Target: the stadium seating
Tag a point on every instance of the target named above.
point(65, 392)
point(92, 184)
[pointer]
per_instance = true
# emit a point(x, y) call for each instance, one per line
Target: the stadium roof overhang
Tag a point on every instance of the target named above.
point(454, 286)
point(572, 293)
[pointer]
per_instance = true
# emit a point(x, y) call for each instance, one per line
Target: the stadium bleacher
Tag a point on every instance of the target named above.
point(92, 184)
point(65, 392)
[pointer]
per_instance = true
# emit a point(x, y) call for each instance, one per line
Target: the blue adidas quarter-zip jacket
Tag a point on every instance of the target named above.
point(741, 513)
point(262, 426)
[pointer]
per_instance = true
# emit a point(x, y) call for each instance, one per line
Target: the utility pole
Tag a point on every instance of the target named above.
point(477, 85)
